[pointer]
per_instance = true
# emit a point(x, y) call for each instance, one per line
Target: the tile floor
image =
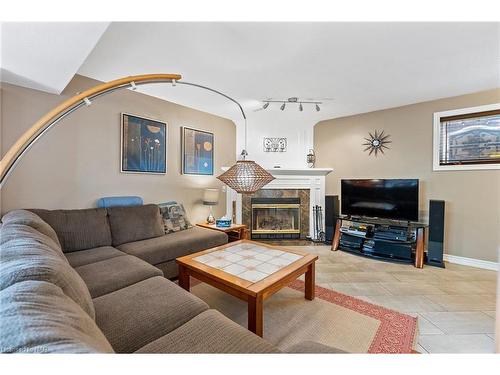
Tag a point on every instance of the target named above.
point(455, 306)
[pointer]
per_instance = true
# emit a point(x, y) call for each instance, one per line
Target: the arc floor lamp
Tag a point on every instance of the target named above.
point(245, 176)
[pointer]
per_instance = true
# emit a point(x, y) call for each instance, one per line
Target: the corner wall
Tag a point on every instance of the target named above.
point(472, 223)
point(78, 161)
point(296, 127)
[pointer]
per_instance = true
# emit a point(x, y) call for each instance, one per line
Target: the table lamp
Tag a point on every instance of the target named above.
point(211, 198)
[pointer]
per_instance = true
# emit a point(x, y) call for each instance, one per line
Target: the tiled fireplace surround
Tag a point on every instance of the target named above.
point(308, 184)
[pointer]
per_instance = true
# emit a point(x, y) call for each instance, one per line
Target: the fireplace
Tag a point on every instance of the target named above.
point(308, 184)
point(275, 218)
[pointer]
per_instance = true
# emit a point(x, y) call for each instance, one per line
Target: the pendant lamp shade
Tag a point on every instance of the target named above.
point(246, 177)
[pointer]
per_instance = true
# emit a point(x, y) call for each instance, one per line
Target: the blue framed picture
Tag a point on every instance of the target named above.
point(197, 152)
point(144, 145)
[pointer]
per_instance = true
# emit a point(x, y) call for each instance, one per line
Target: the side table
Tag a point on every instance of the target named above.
point(235, 232)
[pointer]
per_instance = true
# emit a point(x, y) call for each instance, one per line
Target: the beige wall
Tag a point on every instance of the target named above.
point(472, 197)
point(78, 161)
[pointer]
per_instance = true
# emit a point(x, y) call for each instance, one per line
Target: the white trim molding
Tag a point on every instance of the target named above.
point(436, 132)
point(497, 325)
point(478, 263)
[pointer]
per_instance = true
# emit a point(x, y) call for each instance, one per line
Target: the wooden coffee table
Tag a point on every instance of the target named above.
point(251, 271)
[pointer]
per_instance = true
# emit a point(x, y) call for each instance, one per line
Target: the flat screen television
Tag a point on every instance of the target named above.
point(386, 198)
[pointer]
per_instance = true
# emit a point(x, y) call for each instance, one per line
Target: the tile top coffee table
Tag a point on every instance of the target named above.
point(251, 271)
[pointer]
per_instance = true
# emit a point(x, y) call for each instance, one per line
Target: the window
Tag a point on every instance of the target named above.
point(467, 138)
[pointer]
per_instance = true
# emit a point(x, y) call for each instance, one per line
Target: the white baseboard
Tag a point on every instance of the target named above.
point(478, 263)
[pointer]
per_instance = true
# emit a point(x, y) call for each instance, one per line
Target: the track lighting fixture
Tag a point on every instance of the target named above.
point(87, 102)
point(174, 83)
point(292, 100)
point(133, 86)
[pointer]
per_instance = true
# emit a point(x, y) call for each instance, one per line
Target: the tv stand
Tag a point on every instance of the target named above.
point(399, 241)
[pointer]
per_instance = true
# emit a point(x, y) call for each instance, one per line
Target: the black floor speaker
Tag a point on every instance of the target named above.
point(436, 234)
point(332, 210)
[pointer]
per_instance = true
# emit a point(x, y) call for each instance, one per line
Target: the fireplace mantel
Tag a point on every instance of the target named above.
point(296, 171)
point(288, 178)
point(300, 171)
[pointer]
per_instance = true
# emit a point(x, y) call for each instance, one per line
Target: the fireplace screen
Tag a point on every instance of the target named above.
point(276, 218)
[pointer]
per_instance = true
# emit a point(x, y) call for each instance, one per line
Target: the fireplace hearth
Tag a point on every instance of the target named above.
point(275, 218)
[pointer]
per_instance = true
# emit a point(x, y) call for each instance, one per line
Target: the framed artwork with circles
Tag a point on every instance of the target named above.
point(197, 152)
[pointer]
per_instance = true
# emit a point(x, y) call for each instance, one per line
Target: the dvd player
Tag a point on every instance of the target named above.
point(358, 229)
point(391, 233)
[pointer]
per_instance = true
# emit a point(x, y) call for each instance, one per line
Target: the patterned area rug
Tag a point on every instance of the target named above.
point(332, 318)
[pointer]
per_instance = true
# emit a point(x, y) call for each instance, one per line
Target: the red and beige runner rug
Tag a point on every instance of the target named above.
point(332, 318)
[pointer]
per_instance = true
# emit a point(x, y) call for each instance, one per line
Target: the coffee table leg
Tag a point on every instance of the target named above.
point(184, 278)
point(310, 282)
point(255, 315)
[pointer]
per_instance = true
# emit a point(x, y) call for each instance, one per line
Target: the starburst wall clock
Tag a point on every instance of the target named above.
point(377, 142)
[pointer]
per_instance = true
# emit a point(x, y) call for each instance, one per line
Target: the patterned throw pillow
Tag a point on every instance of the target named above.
point(174, 217)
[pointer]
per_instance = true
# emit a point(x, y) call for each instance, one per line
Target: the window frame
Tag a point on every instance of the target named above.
point(436, 139)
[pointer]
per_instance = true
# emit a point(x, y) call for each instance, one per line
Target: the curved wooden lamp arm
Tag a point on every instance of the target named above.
point(8, 162)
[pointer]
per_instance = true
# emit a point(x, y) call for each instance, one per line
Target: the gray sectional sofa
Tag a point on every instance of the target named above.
point(97, 234)
point(96, 280)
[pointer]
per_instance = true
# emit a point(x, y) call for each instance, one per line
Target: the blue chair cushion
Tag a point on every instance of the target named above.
point(107, 202)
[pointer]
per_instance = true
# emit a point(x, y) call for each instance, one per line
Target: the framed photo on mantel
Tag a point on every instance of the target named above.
point(197, 152)
point(143, 145)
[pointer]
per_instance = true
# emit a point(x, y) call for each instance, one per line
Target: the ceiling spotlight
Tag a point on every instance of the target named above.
point(300, 107)
point(282, 107)
point(317, 108)
point(266, 104)
point(133, 86)
point(174, 83)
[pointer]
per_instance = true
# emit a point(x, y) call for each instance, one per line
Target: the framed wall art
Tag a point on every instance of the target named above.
point(143, 145)
point(197, 152)
point(275, 144)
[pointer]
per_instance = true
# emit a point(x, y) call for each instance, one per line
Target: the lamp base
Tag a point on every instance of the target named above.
point(210, 219)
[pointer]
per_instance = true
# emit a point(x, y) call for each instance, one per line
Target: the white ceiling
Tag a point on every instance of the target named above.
point(45, 56)
point(360, 66)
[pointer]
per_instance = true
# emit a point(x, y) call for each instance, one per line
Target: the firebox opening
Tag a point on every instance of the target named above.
point(275, 218)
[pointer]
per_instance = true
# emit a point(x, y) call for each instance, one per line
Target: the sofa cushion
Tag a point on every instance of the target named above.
point(83, 257)
point(115, 273)
point(170, 246)
point(134, 223)
point(78, 229)
point(26, 217)
point(174, 217)
point(170, 269)
point(12, 231)
point(209, 332)
point(24, 258)
point(139, 314)
point(37, 317)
